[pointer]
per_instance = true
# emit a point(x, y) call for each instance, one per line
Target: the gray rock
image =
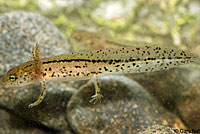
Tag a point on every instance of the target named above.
point(189, 102)
point(50, 114)
point(159, 129)
point(126, 108)
point(166, 85)
point(8, 127)
point(178, 89)
point(19, 31)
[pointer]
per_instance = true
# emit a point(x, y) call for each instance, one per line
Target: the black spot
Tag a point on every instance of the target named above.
point(50, 68)
point(169, 57)
point(158, 48)
point(178, 57)
point(147, 47)
point(126, 61)
point(105, 69)
point(134, 64)
point(77, 66)
point(52, 75)
point(93, 72)
point(110, 62)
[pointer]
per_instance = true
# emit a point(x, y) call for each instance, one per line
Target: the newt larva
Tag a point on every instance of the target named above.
point(91, 64)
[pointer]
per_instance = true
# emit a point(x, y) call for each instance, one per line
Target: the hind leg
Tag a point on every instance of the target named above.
point(97, 96)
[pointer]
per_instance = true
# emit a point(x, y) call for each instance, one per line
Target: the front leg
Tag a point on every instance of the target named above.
point(41, 97)
point(97, 96)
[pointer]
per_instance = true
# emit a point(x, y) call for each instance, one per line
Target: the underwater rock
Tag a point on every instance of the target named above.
point(178, 89)
point(189, 102)
point(8, 127)
point(166, 85)
point(126, 108)
point(19, 31)
point(158, 129)
point(49, 115)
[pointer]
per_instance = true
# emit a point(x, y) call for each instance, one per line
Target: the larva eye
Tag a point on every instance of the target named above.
point(12, 78)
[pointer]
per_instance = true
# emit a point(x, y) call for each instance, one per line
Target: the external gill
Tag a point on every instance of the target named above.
point(37, 66)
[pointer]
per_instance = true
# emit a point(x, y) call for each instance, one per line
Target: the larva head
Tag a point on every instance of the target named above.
point(19, 76)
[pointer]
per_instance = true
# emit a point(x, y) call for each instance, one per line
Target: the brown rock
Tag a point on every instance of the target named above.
point(126, 108)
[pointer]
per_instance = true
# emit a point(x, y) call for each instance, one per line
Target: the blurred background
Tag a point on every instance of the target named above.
point(169, 22)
